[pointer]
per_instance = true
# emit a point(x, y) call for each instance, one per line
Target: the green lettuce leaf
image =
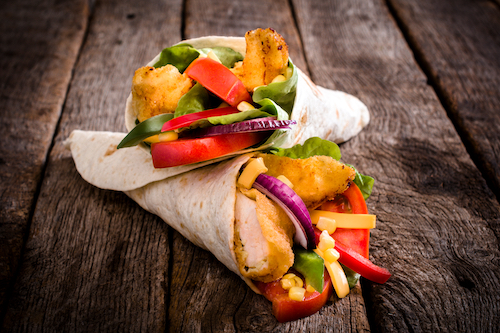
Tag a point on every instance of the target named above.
point(312, 146)
point(180, 56)
point(365, 183)
point(283, 93)
point(195, 100)
point(226, 55)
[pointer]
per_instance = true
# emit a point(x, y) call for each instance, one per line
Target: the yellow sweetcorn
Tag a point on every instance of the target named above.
point(287, 283)
point(326, 223)
point(245, 106)
point(297, 293)
point(253, 169)
point(310, 289)
point(168, 136)
point(279, 78)
point(347, 221)
point(285, 180)
point(331, 255)
point(288, 73)
point(325, 241)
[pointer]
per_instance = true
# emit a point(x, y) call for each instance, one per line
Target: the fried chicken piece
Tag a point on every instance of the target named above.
point(266, 57)
point(263, 238)
point(315, 179)
point(158, 90)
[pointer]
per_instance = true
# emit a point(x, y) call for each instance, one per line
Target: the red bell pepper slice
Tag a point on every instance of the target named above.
point(285, 309)
point(361, 265)
point(218, 79)
point(188, 119)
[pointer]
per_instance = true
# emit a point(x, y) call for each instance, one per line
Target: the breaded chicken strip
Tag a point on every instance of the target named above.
point(158, 90)
point(315, 179)
point(263, 238)
point(266, 57)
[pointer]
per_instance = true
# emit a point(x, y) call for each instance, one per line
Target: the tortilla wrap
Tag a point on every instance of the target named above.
point(199, 200)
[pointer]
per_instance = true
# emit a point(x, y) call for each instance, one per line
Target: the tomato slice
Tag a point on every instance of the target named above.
point(188, 119)
point(218, 79)
point(193, 150)
point(286, 309)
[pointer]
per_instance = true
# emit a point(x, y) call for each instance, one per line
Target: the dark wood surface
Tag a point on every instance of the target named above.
point(76, 258)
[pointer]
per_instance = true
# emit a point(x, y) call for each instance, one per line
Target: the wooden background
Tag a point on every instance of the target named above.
point(74, 258)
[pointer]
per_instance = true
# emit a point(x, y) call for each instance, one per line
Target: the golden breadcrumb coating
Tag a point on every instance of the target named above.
point(266, 57)
point(315, 179)
point(158, 90)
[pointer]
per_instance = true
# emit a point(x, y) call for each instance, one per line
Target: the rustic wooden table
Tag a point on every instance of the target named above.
point(76, 258)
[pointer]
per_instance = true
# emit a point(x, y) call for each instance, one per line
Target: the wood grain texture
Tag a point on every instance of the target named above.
point(438, 222)
point(35, 70)
point(95, 261)
point(458, 44)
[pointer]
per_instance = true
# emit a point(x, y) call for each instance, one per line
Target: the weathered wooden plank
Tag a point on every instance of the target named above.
point(35, 70)
point(438, 221)
point(204, 295)
point(94, 260)
point(458, 44)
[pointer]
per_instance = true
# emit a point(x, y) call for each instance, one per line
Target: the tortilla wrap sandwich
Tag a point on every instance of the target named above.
point(227, 205)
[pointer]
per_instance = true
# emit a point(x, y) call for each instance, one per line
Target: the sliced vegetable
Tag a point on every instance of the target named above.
point(291, 203)
point(189, 119)
point(361, 265)
point(253, 125)
point(311, 266)
point(311, 147)
point(144, 130)
point(219, 80)
point(187, 151)
point(286, 309)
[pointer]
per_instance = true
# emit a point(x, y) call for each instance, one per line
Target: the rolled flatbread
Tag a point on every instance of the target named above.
point(200, 200)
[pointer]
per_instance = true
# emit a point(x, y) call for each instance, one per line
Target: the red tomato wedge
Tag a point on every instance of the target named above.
point(193, 150)
point(286, 309)
point(218, 79)
point(188, 119)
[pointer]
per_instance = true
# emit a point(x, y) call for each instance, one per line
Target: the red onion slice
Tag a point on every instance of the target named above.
point(252, 125)
point(293, 205)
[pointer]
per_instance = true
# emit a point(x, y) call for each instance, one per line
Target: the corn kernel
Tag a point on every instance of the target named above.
point(298, 282)
point(288, 73)
point(289, 276)
point(331, 255)
point(325, 241)
point(245, 106)
point(213, 56)
point(310, 289)
point(279, 78)
point(287, 283)
point(285, 180)
point(325, 223)
point(168, 136)
point(297, 293)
